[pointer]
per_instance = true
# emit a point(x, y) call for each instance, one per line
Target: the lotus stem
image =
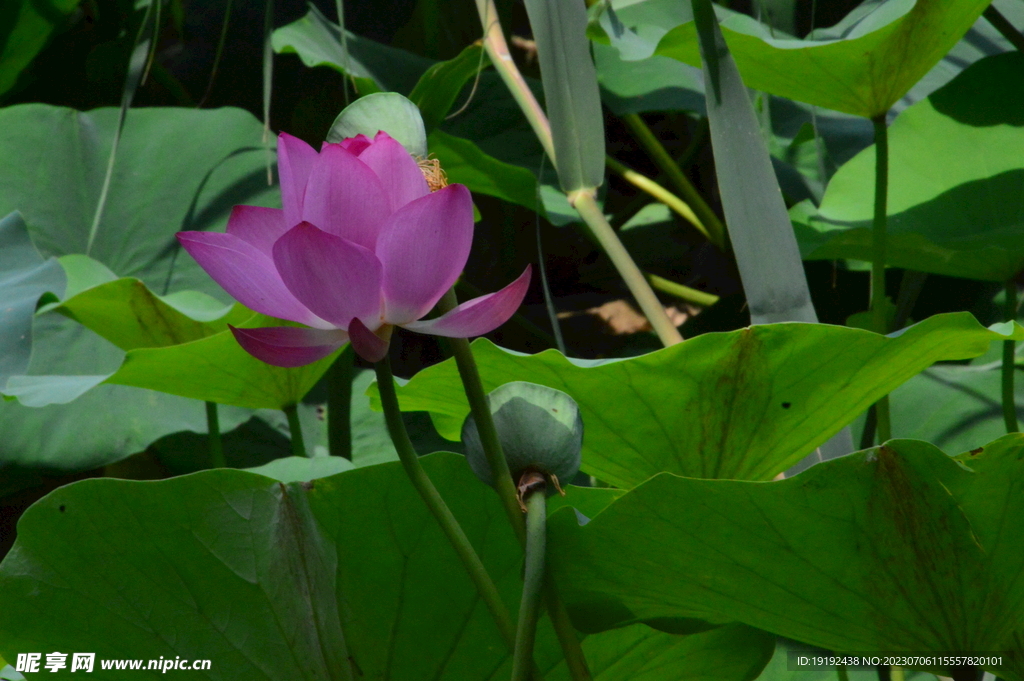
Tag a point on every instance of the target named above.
point(588, 209)
point(655, 190)
point(339, 405)
point(438, 508)
point(213, 437)
point(501, 58)
point(1009, 362)
point(533, 579)
point(295, 430)
point(481, 411)
point(503, 484)
point(878, 257)
point(658, 154)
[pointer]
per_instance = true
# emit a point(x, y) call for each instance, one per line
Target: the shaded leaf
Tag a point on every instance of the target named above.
point(898, 548)
point(277, 581)
point(956, 180)
point(24, 277)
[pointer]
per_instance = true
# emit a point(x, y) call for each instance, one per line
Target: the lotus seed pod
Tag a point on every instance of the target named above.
point(540, 428)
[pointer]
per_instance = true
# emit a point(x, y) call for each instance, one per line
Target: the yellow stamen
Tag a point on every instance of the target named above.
point(431, 169)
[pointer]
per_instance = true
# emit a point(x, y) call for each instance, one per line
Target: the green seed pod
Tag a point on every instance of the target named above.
point(540, 429)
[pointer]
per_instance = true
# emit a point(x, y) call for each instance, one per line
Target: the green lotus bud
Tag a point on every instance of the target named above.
point(540, 430)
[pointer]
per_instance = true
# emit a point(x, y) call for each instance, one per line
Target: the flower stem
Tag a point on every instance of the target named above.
point(588, 209)
point(878, 257)
point(1009, 362)
point(295, 430)
point(533, 582)
point(213, 437)
point(655, 190)
point(449, 525)
point(481, 410)
point(339, 405)
point(657, 152)
point(471, 383)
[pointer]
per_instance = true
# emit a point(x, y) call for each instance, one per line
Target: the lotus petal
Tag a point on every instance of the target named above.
point(259, 226)
point(366, 343)
point(289, 346)
point(295, 160)
point(333, 277)
point(480, 315)
point(423, 248)
point(398, 171)
point(345, 197)
point(248, 275)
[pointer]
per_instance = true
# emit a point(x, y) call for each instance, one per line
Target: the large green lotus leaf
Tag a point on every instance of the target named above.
point(176, 169)
point(285, 581)
point(77, 423)
point(25, 26)
point(745, 404)
point(954, 407)
point(24, 277)
point(898, 548)
point(863, 71)
point(317, 42)
point(130, 316)
point(956, 179)
point(217, 369)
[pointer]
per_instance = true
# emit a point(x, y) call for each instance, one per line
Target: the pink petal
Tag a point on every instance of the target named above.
point(423, 248)
point(344, 197)
point(366, 343)
point(247, 274)
point(289, 346)
point(258, 226)
point(398, 171)
point(356, 144)
point(335, 278)
point(480, 315)
point(295, 160)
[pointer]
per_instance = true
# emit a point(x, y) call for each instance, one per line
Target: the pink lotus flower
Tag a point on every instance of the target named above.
point(361, 245)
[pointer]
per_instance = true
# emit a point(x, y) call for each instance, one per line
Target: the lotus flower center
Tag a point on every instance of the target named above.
point(431, 169)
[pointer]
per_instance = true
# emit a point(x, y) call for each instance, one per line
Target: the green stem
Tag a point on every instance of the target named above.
point(896, 673)
point(661, 157)
point(1007, 29)
point(481, 411)
point(566, 633)
point(506, 489)
point(213, 437)
point(339, 405)
point(690, 295)
point(449, 525)
point(501, 59)
point(295, 430)
point(1009, 363)
point(588, 209)
point(655, 190)
point(533, 582)
point(878, 257)
point(842, 672)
